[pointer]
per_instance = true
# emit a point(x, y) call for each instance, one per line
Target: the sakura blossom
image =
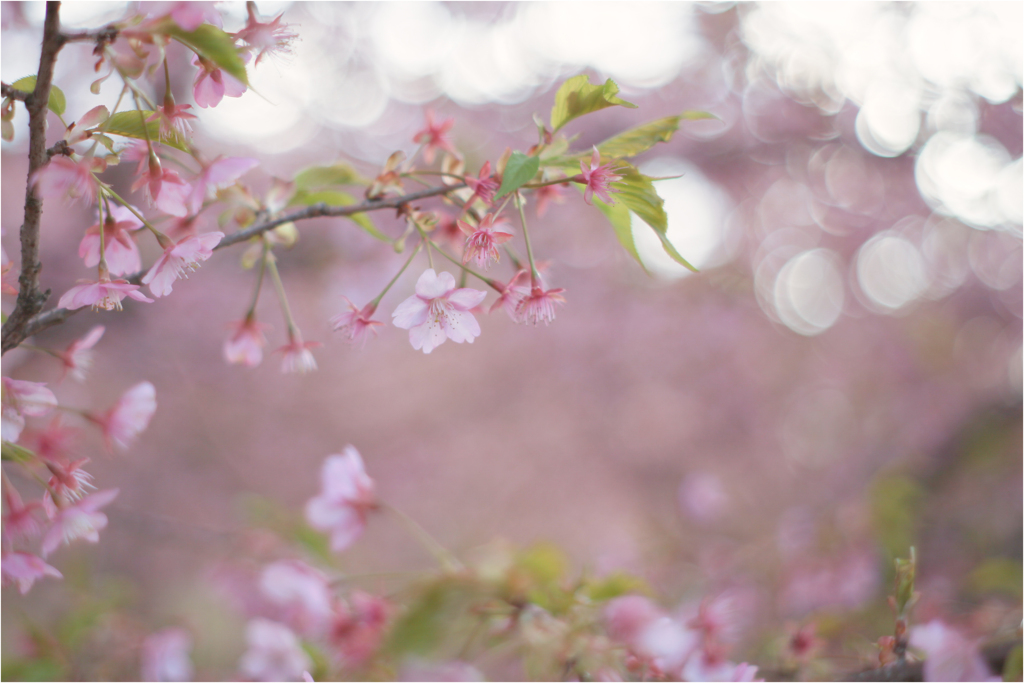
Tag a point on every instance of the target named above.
point(546, 195)
point(358, 627)
point(188, 15)
point(219, 174)
point(69, 483)
point(165, 189)
point(105, 293)
point(81, 520)
point(274, 653)
point(82, 129)
point(245, 345)
point(296, 356)
point(484, 186)
point(435, 137)
point(77, 357)
point(25, 569)
point(302, 594)
point(511, 294)
point(174, 120)
point(179, 259)
point(482, 242)
point(165, 656)
point(129, 417)
point(455, 670)
point(949, 655)
point(19, 520)
point(438, 311)
point(212, 83)
point(120, 250)
point(65, 178)
point(598, 179)
point(347, 494)
point(265, 38)
point(539, 305)
point(20, 399)
point(355, 324)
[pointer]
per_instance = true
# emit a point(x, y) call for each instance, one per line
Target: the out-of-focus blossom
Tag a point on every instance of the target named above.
point(420, 670)
point(597, 178)
point(274, 653)
point(484, 185)
point(266, 38)
point(174, 120)
point(346, 495)
point(54, 442)
point(81, 520)
point(129, 417)
point(949, 656)
point(512, 294)
point(539, 305)
point(438, 311)
point(19, 520)
point(355, 324)
point(212, 83)
point(702, 497)
point(296, 356)
point(64, 178)
point(164, 188)
point(77, 357)
point(82, 128)
point(21, 398)
point(847, 581)
point(301, 592)
point(651, 634)
point(122, 254)
point(69, 482)
point(435, 137)
point(804, 643)
point(245, 345)
point(8, 283)
point(547, 194)
point(482, 241)
point(165, 656)
point(106, 294)
point(358, 628)
point(389, 180)
point(178, 260)
point(221, 173)
point(187, 15)
point(24, 569)
point(704, 667)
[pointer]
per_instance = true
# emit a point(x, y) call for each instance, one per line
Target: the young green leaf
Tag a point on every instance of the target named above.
point(316, 177)
point(637, 192)
point(620, 218)
point(338, 198)
point(129, 124)
point(519, 170)
point(578, 96)
point(213, 44)
point(56, 102)
point(642, 138)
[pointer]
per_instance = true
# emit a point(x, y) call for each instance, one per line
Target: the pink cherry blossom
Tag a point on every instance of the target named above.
point(660, 640)
point(106, 294)
point(69, 482)
point(179, 259)
point(949, 656)
point(54, 442)
point(24, 569)
point(187, 15)
point(212, 83)
point(358, 628)
point(435, 137)
point(21, 398)
point(266, 38)
point(347, 494)
point(296, 356)
point(129, 417)
point(122, 255)
point(539, 305)
point(301, 592)
point(19, 520)
point(484, 186)
point(417, 670)
point(547, 194)
point(221, 173)
point(81, 520)
point(8, 283)
point(482, 241)
point(165, 656)
point(274, 653)
point(165, 189)
point(64, 178)
point(597, 178)
point(82, 128)
point(355, 324)
point(245, 345)
point(704, 667)
point(512, 294)
point(174, 120)
point(77, 357)
point(438, 311)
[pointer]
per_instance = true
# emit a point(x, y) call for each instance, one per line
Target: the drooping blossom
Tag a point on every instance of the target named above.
point(106, 294)
point(358, 628)
point(949, 655)
point(24, 569)
point(274, 652)
point(77, 357)
point(547, 194)
point(597, 178)
point(19, 521)
point(187, 15)
point(82, 128)
point(266, 38)
point(129, 417)
point(165, 189)
point(21, 399)
point(482, 241)
point(346, 495)
point(438, 311)
point(435, 137)
point(355, 323)
point(174, 120)
point(54, 442)
point(122, 254)
point(539, 305)
point(65, 178)
point(511, 294)
point(221, 173)
point(389, 180)
point(660, 640)
point(484, 185)
point(165, 656)
point(245, 345)
point(81, 520)
point(703, 666)
point(296, 355)
point(69, 483)
point(212, 83)
point(302, 594)
point(178, 260)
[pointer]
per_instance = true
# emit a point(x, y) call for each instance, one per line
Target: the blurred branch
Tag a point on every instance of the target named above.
point(13, 93)
point(994, 655)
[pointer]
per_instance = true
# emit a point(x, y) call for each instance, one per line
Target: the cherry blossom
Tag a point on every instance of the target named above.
point(539, 305)
point(69, 482)
point(221, 173)
point(105, 293)
point(435, 137)
point(64, 178)
point(274, 653)
point(389, 180)
point(482, 241)
point(77, 357)
point(547, 194)
point(165, 656)
point(178, 259)
point(296, 356)
point(358, 628)
point(438, 311)
point(347, 494)
point(81, 520)
point(302, 592)
point(82, 128)
point(165, 189)
point(949, 656)
point(597, 178)
point(129, 417)
point(265, 38)
point(24, 569)
point(484, 186)
point(19, 520)
point(20, 399)
point(120, 250)
point(174, 120)
point(511, 294)
point(456, 670)
point(54, 442)
point(355, 324)
point(245, 345)
point(212, 83)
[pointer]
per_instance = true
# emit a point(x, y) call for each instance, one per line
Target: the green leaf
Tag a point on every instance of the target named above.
point(338, 198)
point(16, 453)
point(429, 621)
point(622, 223)
point(997, 575)
point(578, 96)
point(129, 124)
point(642, 138)
point(56, 102)
point(614, 585)
point(519, 170)
point(316, 177)
point(1013, 668)
point(638, 194)
point(213, 44)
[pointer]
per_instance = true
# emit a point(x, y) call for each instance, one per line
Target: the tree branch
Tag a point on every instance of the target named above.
point(10, 91)
point(994, 655)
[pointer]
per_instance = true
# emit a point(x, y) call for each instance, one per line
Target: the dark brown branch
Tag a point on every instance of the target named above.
point(12, 92)
point(30, 299)
point(108, 34)
point(994, 655)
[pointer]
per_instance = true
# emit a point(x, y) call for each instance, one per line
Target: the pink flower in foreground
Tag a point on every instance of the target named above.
point(54, 442)
point(702, 667)
point(296, 355)
point(358, 628)
point(483, 186)
point(129, 417)
point(274, 653)
point(19, 520)
point(949, 656)
point(23, 569)
point(219, 174)
point(165, 189)
point(482, 241)
point(266, 38)
point(174, 120)
point(69, 482)
point(355, 324)
point(82, 129)
point(662, 641)
point(212, 83)
point(302, 592)
point(80, 520)
point(539, 305)
point(77, 357)
point(435, 137)
point(106, 294)
point(438, 311)
point(165, 656)
point(179, 259)
point(597, 178)
point(187, 15)
point(512, 294)
point(121, 253)
point(347, 494)
point(245, 345)
point(21, 398)
point(63, 177)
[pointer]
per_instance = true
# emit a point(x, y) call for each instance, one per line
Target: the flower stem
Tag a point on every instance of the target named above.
point(534, 275)
point(163, 239)
point(440, 553)
point(376, 302)
point(275, 277)
point(465, 268)
point(259, 281)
